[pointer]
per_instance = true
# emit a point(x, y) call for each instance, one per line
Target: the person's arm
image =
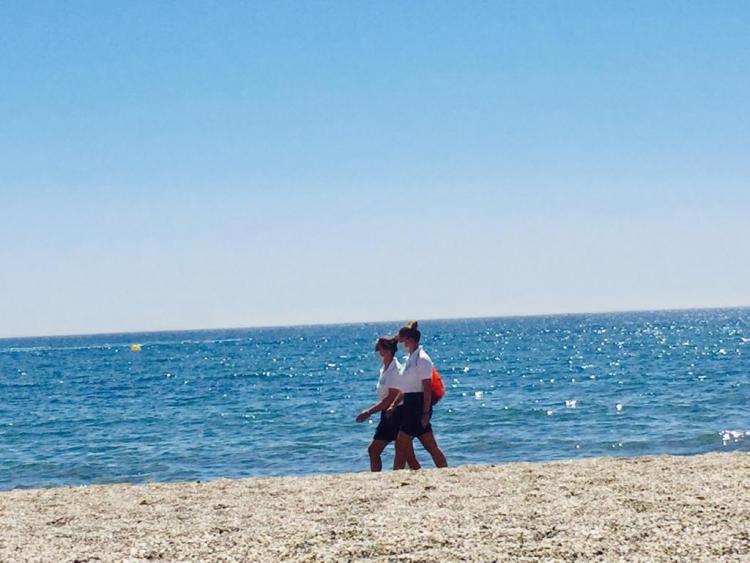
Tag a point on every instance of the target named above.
point(427, 403)
point(380, 406)
point(425, 375)
point(396, 401)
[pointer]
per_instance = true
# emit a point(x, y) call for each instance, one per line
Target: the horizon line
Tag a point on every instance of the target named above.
point(349, 323)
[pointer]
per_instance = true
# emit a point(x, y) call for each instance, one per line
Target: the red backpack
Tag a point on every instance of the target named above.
point(438, 387)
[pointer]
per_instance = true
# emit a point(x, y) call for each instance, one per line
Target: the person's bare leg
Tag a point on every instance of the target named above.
point(412, 461)
point(375, 449)
point(404, 450)
point(430, 444)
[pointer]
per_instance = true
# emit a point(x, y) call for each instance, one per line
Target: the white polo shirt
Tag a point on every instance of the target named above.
point(418, 367)
point(389, 377)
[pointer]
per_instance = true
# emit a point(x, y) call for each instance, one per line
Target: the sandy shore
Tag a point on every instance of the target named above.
point(662, 508)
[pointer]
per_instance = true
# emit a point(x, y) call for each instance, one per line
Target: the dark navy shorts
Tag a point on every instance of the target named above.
point(411, 415)
point(388, 426)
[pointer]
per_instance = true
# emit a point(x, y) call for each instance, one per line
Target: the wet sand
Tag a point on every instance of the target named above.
point(649, 508)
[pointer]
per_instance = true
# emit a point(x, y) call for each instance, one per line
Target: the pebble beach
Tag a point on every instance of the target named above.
point(647, 508)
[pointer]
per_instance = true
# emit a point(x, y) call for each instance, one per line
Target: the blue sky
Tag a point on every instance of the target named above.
point(168, 165)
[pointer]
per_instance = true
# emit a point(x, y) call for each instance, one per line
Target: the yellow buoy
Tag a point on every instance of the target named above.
point(135, 347)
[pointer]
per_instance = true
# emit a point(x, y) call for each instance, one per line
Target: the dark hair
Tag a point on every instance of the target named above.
point(410, 330)
point(389, 343)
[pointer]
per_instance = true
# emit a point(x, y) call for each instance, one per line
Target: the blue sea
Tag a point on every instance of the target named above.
point(281, 401)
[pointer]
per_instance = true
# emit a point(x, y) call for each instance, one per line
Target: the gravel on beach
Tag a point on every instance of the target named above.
point(645, 508)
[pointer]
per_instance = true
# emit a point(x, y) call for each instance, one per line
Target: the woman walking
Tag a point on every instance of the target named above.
point(389, 395)
point(416, 411)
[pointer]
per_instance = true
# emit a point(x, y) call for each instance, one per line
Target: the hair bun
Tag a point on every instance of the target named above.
point(410, 330)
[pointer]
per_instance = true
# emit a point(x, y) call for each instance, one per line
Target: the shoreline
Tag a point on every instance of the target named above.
point(611, 508)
